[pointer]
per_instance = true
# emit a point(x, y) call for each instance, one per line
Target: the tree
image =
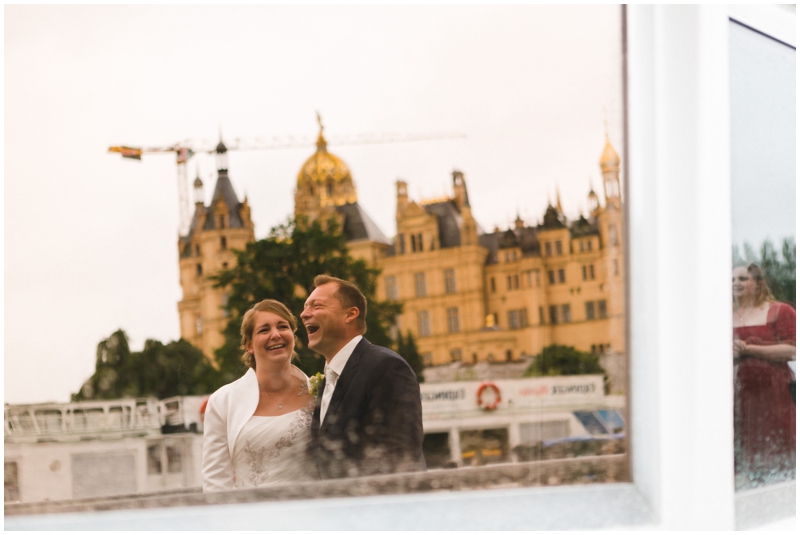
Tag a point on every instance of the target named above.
point(563, 360)
point(163, 371)
point(282, 266)
point(407, 348)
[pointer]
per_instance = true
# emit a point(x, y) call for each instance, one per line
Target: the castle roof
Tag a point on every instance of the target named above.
point(359, 226)
point(322, 165)
point(449, 218)
point(609, 158)
point(224, 190)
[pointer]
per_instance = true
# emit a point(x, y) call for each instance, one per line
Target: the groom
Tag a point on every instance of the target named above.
point(368, 416)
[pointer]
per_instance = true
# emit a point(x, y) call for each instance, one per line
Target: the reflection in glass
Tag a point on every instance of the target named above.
point(763, 182)
point(520, 324)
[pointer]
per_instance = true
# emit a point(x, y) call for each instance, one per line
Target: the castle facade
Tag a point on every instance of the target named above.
point(468, 295)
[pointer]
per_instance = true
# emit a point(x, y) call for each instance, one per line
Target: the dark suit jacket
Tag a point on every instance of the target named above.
point(374, 420)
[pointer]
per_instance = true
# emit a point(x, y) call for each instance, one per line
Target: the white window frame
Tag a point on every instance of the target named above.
point(681, 377)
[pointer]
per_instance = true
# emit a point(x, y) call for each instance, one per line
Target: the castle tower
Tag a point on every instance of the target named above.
point(216, 229)
point(323, 183)
point(610, 222)
point(609, 165)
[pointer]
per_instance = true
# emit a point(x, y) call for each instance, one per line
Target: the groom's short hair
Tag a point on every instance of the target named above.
point(348, 295)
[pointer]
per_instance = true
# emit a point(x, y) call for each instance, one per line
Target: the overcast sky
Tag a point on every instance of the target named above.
point(763, 139)
point(90, 239)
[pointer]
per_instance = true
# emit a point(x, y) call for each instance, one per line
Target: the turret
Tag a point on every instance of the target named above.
point(460, 190)
point(402, 196)
point(609, 165)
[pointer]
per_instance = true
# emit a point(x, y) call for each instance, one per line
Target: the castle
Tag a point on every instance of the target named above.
point(468, 295)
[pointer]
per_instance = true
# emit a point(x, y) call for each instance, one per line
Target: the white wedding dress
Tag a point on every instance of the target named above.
point(273, 449)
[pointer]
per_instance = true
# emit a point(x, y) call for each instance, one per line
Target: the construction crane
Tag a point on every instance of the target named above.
point(184, 150)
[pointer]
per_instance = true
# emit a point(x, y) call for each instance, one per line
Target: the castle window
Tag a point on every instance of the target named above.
point(449, 281)
point(420, 288)
point(223, 243)
point(581, 246)
point(536, 276)
point(551, 276)
point(566, 313)
point(455, 355)
point(452, 320)
point(492, 285)
point(424, 323)
point(559, 251)
point(199, 270)
point(589, 310)
point(612, 234)
point(548, 249)
point(329, 189)
point(513, 319)
point(591, 271)
point(529, 278)
point(391, 288)
point(561, 277)
point(413, 243)
point(508, 258)
point(509, 355)
point(224, 265)
point(541, 315)
point(197, 250)
point(225, 312)
point(601, 309)
point(583, 270)
point(553, 315)
point(419, 242)
point(401, 243)
point(222, 221)
point(199, 325)
point(589, 245)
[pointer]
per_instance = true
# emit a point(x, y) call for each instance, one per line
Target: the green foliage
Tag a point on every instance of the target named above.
point(563, 360)
point(407, 348)
point(175, 369)
point(780, 272)
point(282, 266)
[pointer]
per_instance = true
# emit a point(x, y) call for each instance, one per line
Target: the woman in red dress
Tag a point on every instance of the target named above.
point(764, 411)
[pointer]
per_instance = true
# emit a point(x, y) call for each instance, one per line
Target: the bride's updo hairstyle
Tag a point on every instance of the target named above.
point(249, 321)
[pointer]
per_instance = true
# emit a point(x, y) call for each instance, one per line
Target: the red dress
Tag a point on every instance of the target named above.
point(764, 412)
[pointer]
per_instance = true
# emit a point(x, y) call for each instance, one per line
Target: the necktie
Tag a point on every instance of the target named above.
point(330, 383)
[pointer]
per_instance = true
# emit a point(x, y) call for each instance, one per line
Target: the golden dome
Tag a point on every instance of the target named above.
point(322, 165)
point(610, 158)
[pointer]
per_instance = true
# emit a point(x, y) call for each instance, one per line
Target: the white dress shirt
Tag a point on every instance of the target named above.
point(333, 370)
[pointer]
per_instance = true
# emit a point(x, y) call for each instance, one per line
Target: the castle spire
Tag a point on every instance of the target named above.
point(558, 201)
point(322, 145)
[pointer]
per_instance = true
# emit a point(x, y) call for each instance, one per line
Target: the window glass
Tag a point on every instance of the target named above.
point(502, 367)
point(763, 189)
point(420, 288)
point(450, 281)
point(391, 288)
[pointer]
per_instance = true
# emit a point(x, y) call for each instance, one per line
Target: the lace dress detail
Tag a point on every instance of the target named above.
point(273, 449)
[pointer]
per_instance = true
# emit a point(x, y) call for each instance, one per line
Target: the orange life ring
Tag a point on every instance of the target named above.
point(486, 404)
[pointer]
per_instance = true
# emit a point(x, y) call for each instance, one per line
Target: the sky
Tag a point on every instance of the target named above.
point(763, 139)
point(91, 240)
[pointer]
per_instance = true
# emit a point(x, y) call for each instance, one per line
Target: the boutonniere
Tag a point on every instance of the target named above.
point(314, 382)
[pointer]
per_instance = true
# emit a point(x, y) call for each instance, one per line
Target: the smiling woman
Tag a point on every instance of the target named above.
point(257, 428)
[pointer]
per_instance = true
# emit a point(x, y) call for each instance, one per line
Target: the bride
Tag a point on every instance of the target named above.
point(257, 428)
